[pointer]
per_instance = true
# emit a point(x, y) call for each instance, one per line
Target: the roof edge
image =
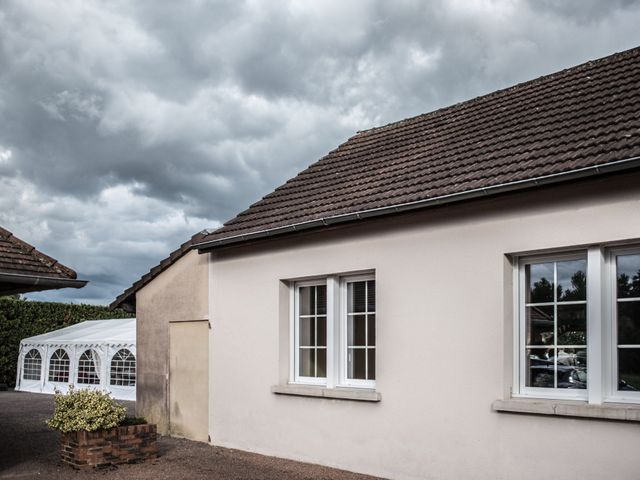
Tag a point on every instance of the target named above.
point(43, 280)
point(585, 172)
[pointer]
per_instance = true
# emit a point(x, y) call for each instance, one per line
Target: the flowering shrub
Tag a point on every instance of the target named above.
point(85, 410)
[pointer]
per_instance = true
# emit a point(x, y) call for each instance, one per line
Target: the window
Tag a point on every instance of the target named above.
point(361, 329)
point(334, 331)
point(32, 365)
point(88, 366)
point(123, 369)
point(627, 322)
point(311, 332)
point(579, 326)
point(59, 367)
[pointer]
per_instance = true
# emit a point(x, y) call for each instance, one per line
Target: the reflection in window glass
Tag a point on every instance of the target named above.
point(539, 282)
point(361, 318)
point(312, 331)
point(628, 276)
point(572, 280)
point(628, 321)
point(556, 324)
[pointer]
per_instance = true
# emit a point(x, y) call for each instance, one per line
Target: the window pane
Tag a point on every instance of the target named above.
point(59, 367)
point(371, 296)
point(539, 368)
point(123, 368)
point(371, 332)
point(322, 331)
point(88, 368)
point(572, 324)
point(572, 280)
point(356, 333)
point(32, 365)
point(321, 302)
point(572, 371)
point(322, 362)
point(356, 363)
point(307, 299)
point(628, 275)
point(307, 362)
point(540, 325)
point(307, 331)
point(628, 323)
point(629, 369)
point(371, 356)
point(356, 293)
point(539, 278)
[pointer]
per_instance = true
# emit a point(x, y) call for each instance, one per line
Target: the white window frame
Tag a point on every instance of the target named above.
point(344, 380)
point(540, 392)
point(611, 384)
point(601, 326)
point(336, 318)
point(295, 329)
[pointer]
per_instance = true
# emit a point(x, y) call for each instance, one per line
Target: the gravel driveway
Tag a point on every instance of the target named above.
point(28, 449)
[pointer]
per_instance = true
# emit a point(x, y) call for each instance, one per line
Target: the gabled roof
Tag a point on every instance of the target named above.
point(580, 118)
point(25, 269)
point(119, 331)
point(574, 123)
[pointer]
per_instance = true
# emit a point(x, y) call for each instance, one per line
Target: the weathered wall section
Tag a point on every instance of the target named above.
point(443, 336)
point(180, 293)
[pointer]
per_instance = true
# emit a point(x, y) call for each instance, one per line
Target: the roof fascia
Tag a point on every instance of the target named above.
point(581, 173)
point(41, 281)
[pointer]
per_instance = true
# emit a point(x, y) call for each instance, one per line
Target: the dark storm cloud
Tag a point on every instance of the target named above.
point(125, 126)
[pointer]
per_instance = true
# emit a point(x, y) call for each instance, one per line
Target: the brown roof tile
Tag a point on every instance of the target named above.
point(23, 268)
point(581, 117)
point(18, 257)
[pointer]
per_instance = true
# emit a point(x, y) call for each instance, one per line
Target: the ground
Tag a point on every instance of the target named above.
point(29, 449)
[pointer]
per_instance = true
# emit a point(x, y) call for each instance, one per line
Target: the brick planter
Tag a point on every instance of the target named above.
point(128, 444)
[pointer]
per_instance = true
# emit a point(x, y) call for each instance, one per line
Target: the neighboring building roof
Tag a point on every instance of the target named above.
point(116, 332)
point(25, 269)
point(578, 122)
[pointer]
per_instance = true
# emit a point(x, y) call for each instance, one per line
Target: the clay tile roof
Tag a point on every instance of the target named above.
point(580, 121)
point(581, 117)
point(24, 268)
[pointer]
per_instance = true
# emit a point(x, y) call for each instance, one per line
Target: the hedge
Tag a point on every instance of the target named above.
point(24, 318)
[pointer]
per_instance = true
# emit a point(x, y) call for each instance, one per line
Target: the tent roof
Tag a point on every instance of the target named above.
point(116, 331)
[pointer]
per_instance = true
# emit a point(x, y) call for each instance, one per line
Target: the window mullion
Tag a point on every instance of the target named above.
point(555, 324)
point(333, 331)
point(596, 311)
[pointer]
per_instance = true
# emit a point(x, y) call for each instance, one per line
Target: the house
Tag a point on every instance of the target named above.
point(450, 296)
point(25, 269)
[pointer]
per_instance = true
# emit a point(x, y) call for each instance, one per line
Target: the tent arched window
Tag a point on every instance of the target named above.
point(88, 368)
point(59, 366)
point(123, 369)
point(32, 365)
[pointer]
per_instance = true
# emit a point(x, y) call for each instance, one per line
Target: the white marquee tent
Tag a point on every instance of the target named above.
point(99, 354)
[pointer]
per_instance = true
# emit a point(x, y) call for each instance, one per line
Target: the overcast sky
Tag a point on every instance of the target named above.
point(127, 126)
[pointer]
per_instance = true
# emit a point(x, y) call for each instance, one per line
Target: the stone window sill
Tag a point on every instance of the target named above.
point(357, 394)
point(605, 411)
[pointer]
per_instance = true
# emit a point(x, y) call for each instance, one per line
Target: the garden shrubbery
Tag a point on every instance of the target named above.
point(88, 410)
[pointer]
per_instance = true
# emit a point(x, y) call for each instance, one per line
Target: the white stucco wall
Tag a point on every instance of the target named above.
point(443, 323)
